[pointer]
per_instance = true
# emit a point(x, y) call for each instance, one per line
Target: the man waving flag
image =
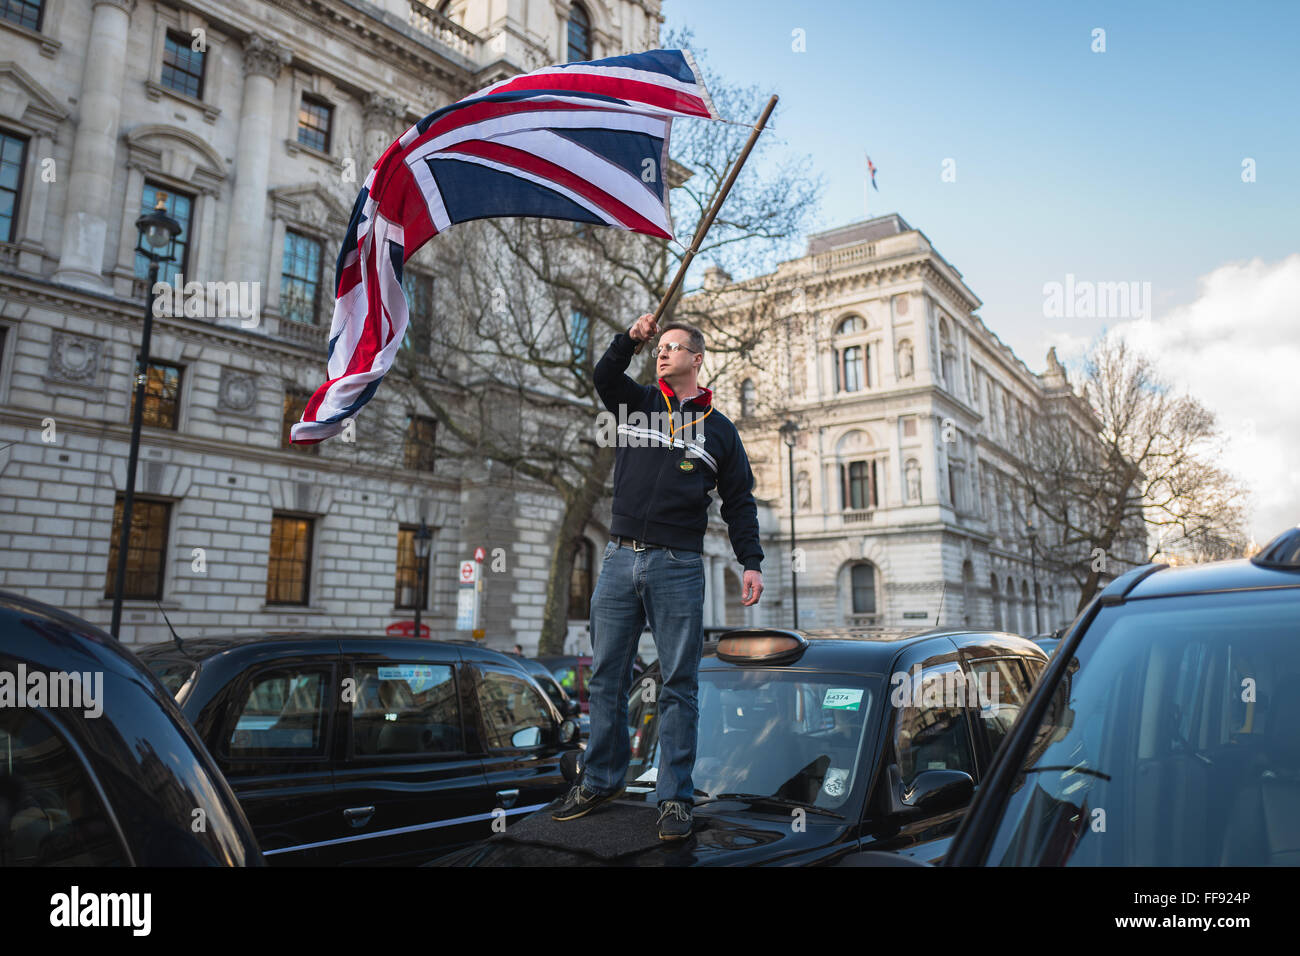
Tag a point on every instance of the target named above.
point(586, 142)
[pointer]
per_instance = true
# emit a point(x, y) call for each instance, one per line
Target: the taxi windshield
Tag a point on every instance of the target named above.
point(1171, 742)
point(789, 735)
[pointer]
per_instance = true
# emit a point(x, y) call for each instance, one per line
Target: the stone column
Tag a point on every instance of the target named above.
point(246, 242)
point(94, 149)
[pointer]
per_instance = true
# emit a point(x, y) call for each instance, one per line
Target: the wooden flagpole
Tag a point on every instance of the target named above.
point(707, 221)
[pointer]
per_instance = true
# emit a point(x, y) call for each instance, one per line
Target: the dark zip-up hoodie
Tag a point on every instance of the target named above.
point(661, 489)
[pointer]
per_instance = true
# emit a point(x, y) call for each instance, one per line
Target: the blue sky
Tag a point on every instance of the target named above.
point(1124, 165)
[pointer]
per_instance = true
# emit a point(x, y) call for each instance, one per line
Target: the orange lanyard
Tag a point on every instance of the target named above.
point(672, 429)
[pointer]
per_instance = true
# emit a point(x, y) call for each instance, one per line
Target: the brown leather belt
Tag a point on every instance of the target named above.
point(632, 543)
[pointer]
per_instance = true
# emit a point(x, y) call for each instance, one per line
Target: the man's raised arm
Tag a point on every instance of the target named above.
point(613, 384)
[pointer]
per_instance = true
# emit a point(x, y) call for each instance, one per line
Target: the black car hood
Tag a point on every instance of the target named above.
point(625, 833)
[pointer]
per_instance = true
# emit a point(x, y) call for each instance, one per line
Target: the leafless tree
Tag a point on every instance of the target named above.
point(1123, 469)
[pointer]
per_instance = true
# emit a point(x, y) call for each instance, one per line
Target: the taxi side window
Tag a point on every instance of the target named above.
point(405, 709)
point(282, 714)
point(931, 732)
point(1003, 685)
point(515, 714)
point(50, 812)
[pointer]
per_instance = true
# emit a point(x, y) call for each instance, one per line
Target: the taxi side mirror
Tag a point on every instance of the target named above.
point(936, 791)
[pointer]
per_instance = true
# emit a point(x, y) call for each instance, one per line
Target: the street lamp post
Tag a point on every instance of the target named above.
point(421, 563)
point(1033, 567)
point(788, 432)
point(158, 233)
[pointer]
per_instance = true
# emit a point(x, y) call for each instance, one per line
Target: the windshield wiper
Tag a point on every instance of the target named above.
point(1075, 769)
point(778, 801)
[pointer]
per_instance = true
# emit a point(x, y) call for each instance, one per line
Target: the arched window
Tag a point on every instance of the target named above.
point(968, 593)
point(580, 581)
point(997, 601)
point(862, 581)
point(579, 33)
point(854, 361)
point(1013, 618)
point(748, 397)
point(1026, 608)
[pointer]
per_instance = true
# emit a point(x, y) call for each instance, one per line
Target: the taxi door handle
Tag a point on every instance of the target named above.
point(359, 816)
point(507, 798)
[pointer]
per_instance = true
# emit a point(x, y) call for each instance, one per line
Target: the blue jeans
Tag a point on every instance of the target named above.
point(667, 588)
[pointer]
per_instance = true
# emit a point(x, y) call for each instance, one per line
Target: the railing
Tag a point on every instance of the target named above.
point(314, 336)
point(862, 620)
point(858, 517)
point(432, 23)
point(849, 256)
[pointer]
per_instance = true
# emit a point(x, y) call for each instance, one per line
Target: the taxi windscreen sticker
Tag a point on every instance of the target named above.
point(835, 782)
point(843, 698)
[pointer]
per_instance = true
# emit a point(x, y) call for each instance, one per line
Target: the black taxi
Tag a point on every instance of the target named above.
point(368, 750)
point(1164, 731)
point(811, 745)
point(97, 765)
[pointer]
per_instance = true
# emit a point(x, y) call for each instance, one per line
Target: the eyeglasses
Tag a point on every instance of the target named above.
point(669, 347)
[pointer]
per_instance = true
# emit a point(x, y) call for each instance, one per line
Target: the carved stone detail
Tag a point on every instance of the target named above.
point(264, 57)
point(237, 391)
point(75, 358)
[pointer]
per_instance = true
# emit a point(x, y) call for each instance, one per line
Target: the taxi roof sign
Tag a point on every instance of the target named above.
point(761, 645)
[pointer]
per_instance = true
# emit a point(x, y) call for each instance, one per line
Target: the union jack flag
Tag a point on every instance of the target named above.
point(586, 142)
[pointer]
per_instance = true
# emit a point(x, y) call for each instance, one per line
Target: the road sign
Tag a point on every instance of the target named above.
point(479, 555)
point(468, 572)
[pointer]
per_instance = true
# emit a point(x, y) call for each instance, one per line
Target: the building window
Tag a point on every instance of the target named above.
point(997, 604)
point(909, 427)
point(25, 13)
point(182, 65)
point(180, 207)
point(579, 33)
point(580, 336)
point(162, 394)
point(410, 594)
point(912, 478)
point(419, 309)
point(13, 155)
point(314, 118)
point(300, 278)
point(852, 363)
point(420, 444)
point(146, 549)
point(863, 580)
point(295, 403)
point(288, 571)
point(580, 582)
point(748, 397)
point(858, 480)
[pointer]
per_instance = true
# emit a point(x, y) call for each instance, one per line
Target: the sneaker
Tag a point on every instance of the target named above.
point(581, 801)
point(675, 820)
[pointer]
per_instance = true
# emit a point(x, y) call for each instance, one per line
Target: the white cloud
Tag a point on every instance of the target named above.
point(1236, 348)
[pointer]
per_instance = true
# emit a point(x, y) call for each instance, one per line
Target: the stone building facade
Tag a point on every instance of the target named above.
point(256, 120)
point(907, 507)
